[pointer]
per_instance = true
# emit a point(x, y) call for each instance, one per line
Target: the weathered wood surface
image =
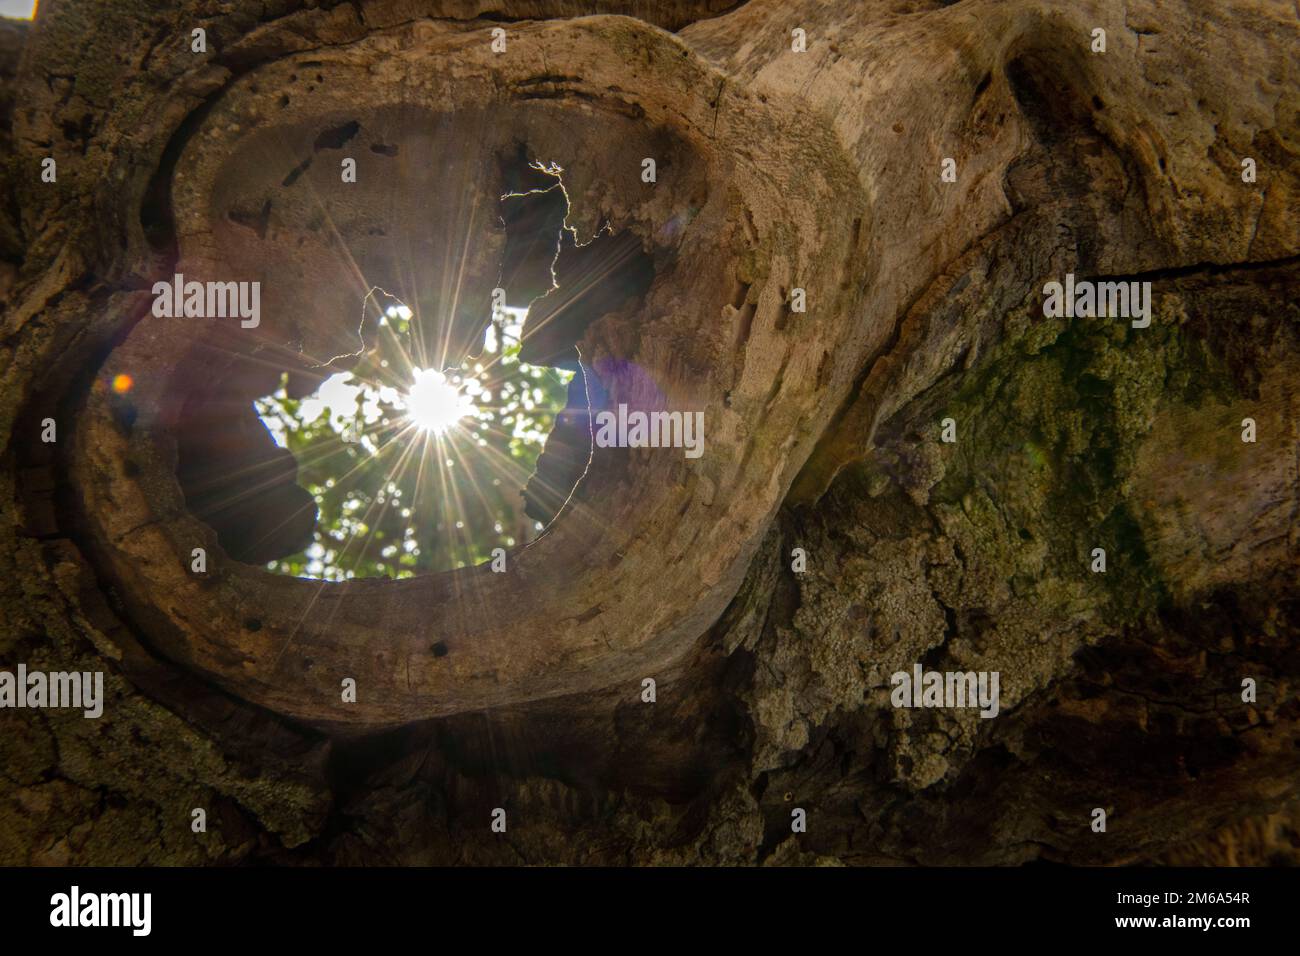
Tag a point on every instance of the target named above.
point(817, 169)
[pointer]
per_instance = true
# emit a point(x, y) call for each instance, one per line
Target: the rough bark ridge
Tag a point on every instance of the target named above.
point(816, 170)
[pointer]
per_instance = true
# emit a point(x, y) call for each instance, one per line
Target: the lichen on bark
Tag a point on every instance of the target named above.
point(1119, 689)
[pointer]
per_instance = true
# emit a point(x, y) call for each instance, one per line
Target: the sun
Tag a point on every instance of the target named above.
point(434, 405)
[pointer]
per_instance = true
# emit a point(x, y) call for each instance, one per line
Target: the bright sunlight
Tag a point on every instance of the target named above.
point(435, 404)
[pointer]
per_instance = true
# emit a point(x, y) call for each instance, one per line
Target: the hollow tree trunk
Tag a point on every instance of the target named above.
point(821, 171)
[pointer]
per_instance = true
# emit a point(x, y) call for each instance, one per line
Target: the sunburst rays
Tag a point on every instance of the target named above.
point(443, 435)
point(438, 447)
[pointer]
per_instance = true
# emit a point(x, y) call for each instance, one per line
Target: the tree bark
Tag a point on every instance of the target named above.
point(818, 170)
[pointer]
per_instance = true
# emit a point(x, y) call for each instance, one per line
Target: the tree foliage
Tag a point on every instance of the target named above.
point(395, 499)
